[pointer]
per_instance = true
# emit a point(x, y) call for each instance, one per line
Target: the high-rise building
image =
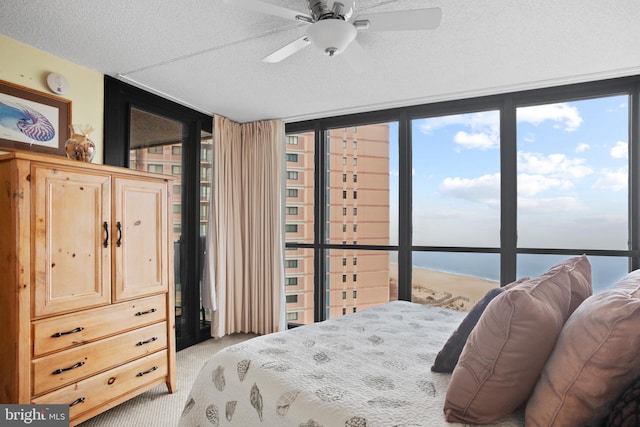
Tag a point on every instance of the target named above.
point(357, 213)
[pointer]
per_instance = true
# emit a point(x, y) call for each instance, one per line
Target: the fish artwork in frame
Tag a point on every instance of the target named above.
point(33, 121)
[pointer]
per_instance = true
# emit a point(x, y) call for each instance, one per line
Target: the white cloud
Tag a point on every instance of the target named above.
point(581, 148)
point(620, 150)
point(483, 129)
point(530, 185)
point(474, 121)
point(561, 113)
point(612, 180)
point(554, 165)
point(537, 173)
point(480, 141)
point(484, 189)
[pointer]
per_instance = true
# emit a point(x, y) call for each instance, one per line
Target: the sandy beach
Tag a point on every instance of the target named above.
point(454, 291)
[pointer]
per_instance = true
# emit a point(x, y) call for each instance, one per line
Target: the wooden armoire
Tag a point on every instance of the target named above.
point(86, 290)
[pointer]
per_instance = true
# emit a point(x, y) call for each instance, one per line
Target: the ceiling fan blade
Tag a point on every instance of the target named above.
point(356, 57)
point(271, 9)
point(287, 50)
point(418, 19)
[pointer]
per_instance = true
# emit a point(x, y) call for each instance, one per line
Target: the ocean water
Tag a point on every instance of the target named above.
point(605, 270)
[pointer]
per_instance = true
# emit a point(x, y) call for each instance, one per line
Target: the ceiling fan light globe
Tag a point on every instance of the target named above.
point(331, 36)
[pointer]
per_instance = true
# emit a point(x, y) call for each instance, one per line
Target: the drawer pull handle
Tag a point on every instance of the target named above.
point(139, 343)
point(106, 230)
point(75, 402)
point(119, 227)
point(139, 374)
point(59, 371)
point(73, 331)
point(142, 313)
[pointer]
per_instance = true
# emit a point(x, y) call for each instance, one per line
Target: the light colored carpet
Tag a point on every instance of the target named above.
point(156, 407)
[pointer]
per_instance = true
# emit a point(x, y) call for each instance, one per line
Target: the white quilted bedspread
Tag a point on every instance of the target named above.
point(370, 368)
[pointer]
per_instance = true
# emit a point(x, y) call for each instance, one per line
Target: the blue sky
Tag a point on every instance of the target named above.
point(572, 176)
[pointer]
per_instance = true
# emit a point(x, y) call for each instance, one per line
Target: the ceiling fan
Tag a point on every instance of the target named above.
point(332, 29)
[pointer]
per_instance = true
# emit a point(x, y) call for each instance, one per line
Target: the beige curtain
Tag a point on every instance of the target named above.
point(244, 267)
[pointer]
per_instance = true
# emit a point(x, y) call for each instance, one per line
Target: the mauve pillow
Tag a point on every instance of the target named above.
point(580, 275)
point(595, 360)
point(448, 357)
point(506, 351)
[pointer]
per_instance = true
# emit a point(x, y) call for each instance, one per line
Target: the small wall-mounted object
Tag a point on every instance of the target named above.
point(58, 83)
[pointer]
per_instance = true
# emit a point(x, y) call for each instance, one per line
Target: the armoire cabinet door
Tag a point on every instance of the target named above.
point(141, 240)
point(72, 258)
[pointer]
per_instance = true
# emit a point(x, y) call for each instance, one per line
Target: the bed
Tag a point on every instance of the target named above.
point(522, 345)
point(370, 368)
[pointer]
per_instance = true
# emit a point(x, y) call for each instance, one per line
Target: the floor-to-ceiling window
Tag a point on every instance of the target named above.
point(146, 132)
point(299, 201)
point(573, 183)
point(359, 197)
point(456, 206)
point(483, 191)
point(345, 231)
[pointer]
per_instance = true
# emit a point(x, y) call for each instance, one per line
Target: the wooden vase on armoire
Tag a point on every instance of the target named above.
point(86, 291)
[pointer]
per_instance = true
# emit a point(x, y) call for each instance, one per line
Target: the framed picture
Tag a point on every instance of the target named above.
point(33, 120)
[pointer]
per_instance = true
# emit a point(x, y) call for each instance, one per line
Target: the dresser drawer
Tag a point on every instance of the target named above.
point(100, 389)
point(61, 332)
point(59, 369)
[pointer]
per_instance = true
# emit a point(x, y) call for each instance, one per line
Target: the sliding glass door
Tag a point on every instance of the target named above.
point(151, 134)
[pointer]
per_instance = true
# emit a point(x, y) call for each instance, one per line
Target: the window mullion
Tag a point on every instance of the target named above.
point(634, 178)
point(508, 191)
point(320, 262)
point(405, 216)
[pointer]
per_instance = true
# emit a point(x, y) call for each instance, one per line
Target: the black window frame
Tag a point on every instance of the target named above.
point(506, 104)
point(119, 98)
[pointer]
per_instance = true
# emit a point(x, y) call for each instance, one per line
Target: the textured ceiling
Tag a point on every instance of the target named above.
point(207, 54)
